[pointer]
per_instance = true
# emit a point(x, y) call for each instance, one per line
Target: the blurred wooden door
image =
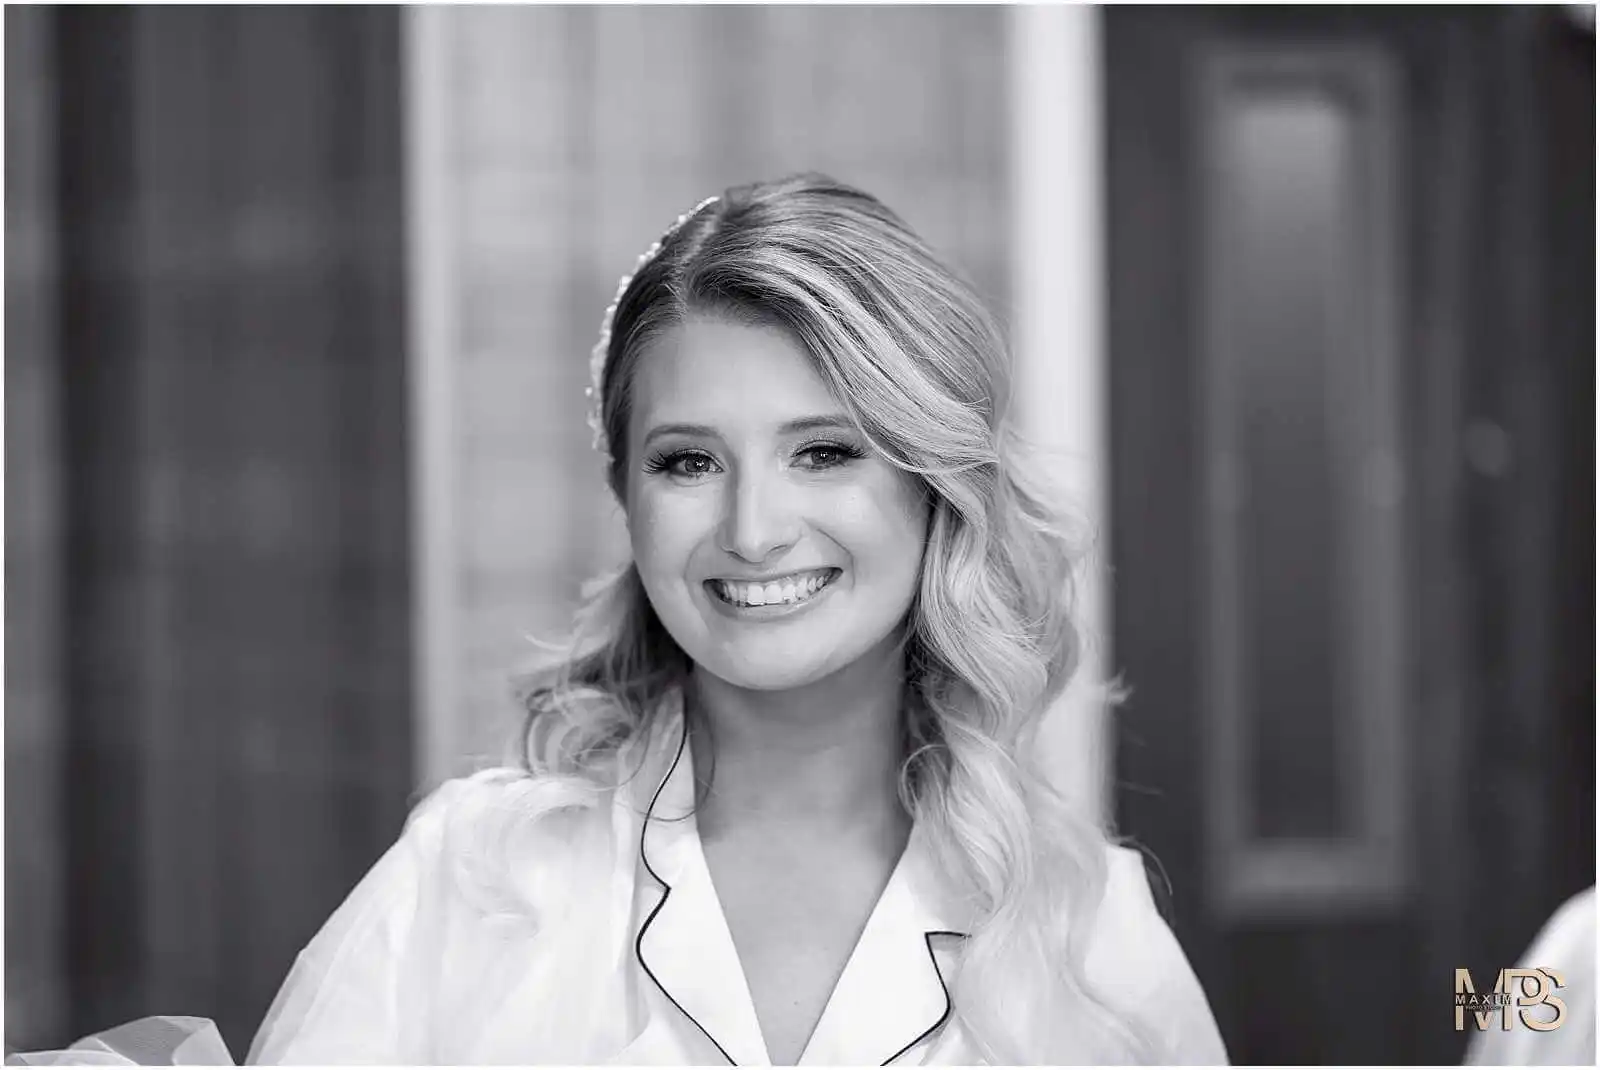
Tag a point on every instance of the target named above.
point(1352, 348)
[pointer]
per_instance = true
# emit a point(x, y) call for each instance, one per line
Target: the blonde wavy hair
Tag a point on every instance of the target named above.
point(922, 368)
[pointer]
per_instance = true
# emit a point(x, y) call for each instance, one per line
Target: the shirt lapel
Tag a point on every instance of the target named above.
point(893, 993)
point(684, 944)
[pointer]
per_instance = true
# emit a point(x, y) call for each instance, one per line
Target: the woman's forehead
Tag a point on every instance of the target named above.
point(716, 370)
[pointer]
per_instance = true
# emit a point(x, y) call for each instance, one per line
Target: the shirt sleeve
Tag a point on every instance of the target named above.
point(1142, 967)
point(341, 1000)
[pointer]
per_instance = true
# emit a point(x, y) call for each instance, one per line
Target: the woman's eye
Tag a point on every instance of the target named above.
point(823, 456)
point(685, 464)
point(828, 456)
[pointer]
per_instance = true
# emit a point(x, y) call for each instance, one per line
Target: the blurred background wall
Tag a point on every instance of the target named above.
point(1351, 284)
point(298, 308)
point(34, 558)
point(549, 146)
point(208, 630)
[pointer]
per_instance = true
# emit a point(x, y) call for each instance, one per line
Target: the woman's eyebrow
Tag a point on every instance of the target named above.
point(693, 430)
point(817, 423)
point(791, 427)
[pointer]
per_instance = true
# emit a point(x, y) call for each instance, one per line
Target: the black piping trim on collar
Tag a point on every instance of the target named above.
point(927, 938)
point(638, 943)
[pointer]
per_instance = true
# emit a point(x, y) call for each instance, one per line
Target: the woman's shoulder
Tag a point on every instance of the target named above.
point(505, 808)
point(1131, 933)
point(538, 814)
point(1138, 963)
point(502, 844)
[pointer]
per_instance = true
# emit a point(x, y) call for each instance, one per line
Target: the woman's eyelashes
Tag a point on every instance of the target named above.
point(824, 455)
point(690, 465)
point(684, 464)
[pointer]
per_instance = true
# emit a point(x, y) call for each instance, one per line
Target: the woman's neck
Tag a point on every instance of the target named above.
point(824, 757)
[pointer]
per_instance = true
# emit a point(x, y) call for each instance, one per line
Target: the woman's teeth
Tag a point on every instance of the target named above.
point(787, 591)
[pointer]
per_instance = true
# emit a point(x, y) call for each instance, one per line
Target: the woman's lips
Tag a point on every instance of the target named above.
point(789, 591)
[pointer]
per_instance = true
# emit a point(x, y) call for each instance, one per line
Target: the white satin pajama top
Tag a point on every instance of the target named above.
point(593, 935)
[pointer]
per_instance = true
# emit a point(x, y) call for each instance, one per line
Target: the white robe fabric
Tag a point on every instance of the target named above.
point(524, 920)
point(594, 935)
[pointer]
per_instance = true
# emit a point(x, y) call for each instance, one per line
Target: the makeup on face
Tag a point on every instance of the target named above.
point(775, 543)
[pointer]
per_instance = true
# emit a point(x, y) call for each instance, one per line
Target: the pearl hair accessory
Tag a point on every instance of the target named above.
point(597, 357)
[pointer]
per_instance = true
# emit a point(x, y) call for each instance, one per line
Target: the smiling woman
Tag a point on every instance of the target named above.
point(778, 802)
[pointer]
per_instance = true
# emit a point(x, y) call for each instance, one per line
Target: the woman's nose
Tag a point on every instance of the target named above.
point(758, 520)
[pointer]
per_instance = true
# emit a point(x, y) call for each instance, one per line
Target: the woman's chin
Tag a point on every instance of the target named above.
point(762, 674)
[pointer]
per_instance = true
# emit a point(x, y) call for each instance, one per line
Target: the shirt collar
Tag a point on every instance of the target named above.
point(907, 953)
point(907, 947)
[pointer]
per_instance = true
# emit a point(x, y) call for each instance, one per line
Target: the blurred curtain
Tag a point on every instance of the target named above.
point(33, 734)
point(549, 146)
point(211, 401)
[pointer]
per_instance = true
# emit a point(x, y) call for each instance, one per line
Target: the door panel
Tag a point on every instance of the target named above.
point(1340, 390)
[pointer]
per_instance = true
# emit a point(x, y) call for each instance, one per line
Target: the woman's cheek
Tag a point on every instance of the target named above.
point(665, 528)
point(890, 512)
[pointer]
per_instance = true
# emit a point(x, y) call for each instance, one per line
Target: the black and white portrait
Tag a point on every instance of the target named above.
point(799, 535)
